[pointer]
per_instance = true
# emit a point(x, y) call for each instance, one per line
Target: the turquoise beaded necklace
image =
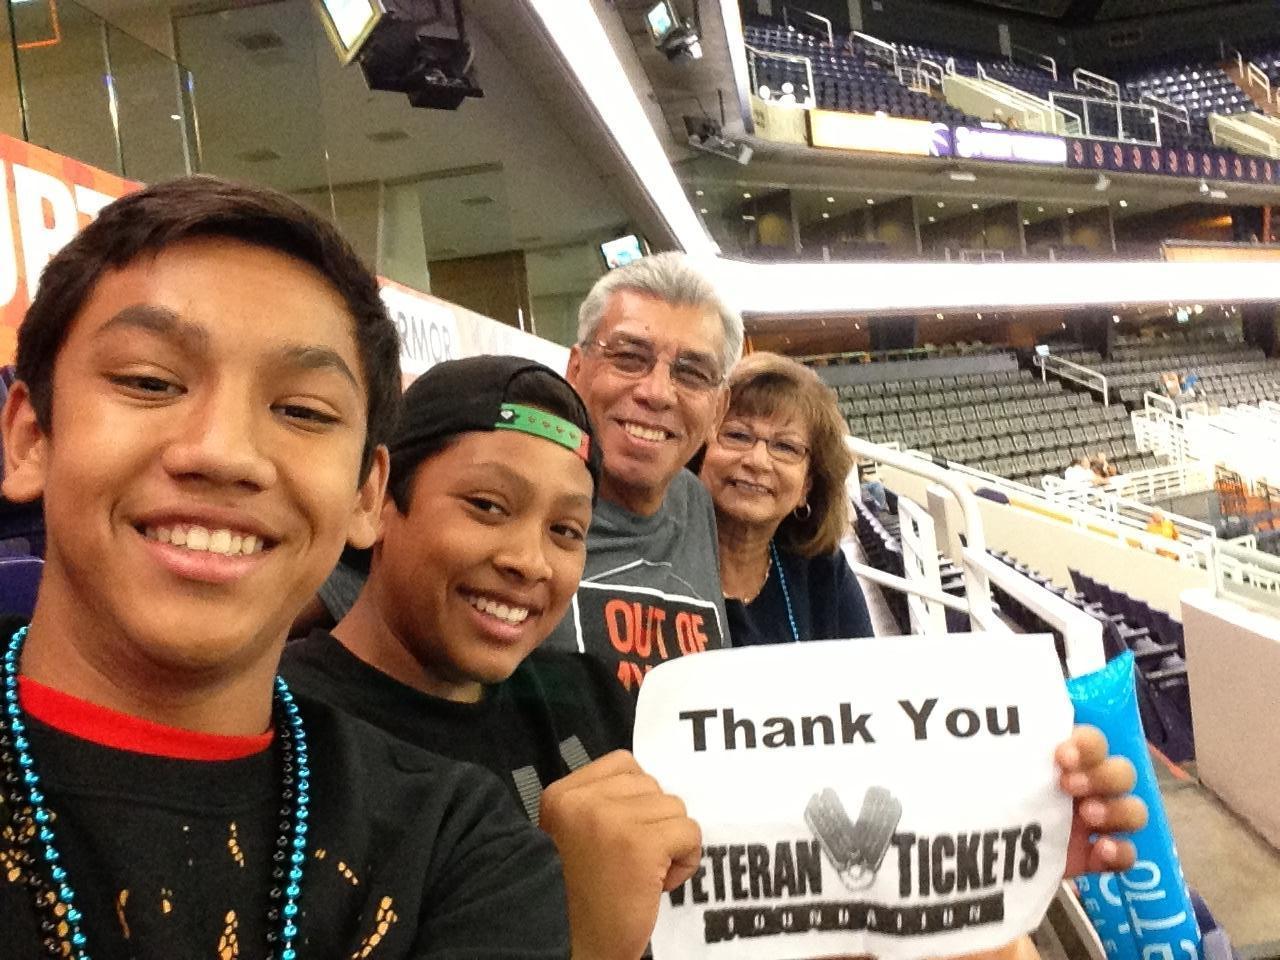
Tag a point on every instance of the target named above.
point(786, 594)
point(24, 793)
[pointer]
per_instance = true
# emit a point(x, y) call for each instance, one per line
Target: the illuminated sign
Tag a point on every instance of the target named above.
point(879, 133)
point(982, 144)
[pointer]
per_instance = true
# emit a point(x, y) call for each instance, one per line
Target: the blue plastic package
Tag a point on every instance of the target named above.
point(1161, 919)
point(1100, 895)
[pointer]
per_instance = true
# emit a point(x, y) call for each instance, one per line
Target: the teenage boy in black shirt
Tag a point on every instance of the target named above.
point(493, 473)
point(206, 378)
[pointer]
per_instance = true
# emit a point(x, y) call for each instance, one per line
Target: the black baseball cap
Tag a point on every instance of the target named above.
point(475, 394)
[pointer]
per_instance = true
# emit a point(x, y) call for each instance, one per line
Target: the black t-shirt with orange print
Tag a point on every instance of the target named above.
point(167, 839)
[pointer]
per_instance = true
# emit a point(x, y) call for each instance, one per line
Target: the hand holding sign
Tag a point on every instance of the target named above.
point(1102, 787)
point(623, 842)
point(893, 796)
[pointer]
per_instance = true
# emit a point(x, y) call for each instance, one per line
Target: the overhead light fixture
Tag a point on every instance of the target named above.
point(1218, 194)
point(702, 210)
point(870, 202)
point(831, 199)
point(748, 217)
point(699, 193)
point(1124, 203)
point(963, 176)
point(940, 316)
point(825, 215)
point(941, 205)
point(1026, 223)
point(1102, 183)
point(1039, 209)
point(1070, 210)
point(975, 206)
point(933, 219)
point(705, 133)
point(1115, 318)
point(746, 196)
point(1204, 186)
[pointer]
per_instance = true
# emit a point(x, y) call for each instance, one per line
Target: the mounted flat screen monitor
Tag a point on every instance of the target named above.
point(662, 20)
point(623, 250)
point(349, 23)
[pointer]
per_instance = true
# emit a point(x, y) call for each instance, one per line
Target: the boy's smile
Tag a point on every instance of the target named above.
point(201, 471)
point(472, 578)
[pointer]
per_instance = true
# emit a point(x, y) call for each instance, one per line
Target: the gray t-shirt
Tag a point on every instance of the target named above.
point(651, 588)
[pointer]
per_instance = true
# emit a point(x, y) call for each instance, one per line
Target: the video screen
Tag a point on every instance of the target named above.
point(620, 252)
point(351, 21)
point(661, 20)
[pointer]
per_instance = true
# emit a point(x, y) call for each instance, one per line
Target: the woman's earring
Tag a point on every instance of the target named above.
point(803, 512)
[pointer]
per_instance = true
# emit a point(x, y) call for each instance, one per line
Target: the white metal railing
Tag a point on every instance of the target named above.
point(1114, 108)
point(1088, 80)
point(1041, 61)
point(1247, 575)
point(1101, 507)
point(920, 561)
point(1174, 111)
point(1082, 634)
point(885, 53)
point(826, 23)
point(1036, 115)
point(1125, 517)
point(1162, 483)
point(921, 76)
point(808, 101)
point(1257, 76)
point(1075, 372)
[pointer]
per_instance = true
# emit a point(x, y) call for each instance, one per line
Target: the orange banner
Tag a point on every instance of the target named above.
point(47, 199)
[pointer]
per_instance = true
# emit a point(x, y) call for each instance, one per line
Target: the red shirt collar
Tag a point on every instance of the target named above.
point(120, 731)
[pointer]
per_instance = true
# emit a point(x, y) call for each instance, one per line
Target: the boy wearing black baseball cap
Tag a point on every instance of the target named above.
point(494, 469)
point(207, 376)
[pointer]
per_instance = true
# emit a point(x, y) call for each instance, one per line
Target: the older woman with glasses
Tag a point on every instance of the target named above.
point(776, 470)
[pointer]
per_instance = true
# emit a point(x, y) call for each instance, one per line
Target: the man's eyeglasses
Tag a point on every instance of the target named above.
point(635, 359)
point(782, 449)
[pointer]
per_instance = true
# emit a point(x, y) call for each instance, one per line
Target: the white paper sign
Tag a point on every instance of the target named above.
point(892, 796)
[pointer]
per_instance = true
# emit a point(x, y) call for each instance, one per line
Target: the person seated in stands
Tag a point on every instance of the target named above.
point(493, 471)
point(1189, 384)
point(871, 489)
point(1103, 469)
point(1080, 473)
point(1160, 524)
point(205, 380)
point(776, 470)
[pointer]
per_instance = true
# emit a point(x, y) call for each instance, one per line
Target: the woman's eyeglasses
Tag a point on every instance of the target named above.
point(782, 449)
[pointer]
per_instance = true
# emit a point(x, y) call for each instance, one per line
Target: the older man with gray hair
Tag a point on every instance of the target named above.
point(655, 344)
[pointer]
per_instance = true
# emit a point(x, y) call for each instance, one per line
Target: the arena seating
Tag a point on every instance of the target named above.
point(852, 76)
point(1203, 87)
point(1229, 372)
point(1154, 638)
point(1007, 424)
point(842, 82)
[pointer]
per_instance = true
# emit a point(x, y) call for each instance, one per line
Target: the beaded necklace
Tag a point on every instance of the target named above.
point(776, 564)
point(55, 899)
